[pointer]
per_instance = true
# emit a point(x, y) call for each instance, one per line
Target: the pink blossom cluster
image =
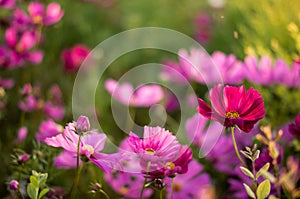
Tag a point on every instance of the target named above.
point(198, 66)
point(23, 35)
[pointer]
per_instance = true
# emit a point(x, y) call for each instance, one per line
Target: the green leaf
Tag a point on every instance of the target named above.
point(247, 172)
point(263, 189)
point(268, 175)
point(264, 168)
point(34, 181)
point(43, 192)
point(249, 191)
point(42, 179)
point(273, 197)
point(32, 191)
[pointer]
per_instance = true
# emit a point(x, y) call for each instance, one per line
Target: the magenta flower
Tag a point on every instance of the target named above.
point(233, 106)
point(37, 15)
point(7, 83)
point(160, 153)
point(191, 184)
point(21, 45)
point(74, 56)
point(29, 104)
point(294, 128)
point(8, 4)
point(13, 185)
point(48, 129)
point(144, 96)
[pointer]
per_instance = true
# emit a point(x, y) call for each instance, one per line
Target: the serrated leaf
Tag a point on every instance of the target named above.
point(43, 192)
point(32, 191)
point(247, 172)
point(249, 191)
point(263, 189)
point(264, 168)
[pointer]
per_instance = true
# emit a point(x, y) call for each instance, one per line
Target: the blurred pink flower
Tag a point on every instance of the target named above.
point(21, 44)
point(29, 104)
point(144, 96)
point(8, 4)
point(234, 106)
point(74, 56)
point(48, 129)
point(37, 15)
point(191, 184)
point(22, 134)
point(54, 108)
point(294, 127)
point(203, 28)
point(7, 83)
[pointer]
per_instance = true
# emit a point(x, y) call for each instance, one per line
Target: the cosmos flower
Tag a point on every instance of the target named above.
point(48, 128)
point(234, 106)
point(66, 160)
point(8, 4)
point(37, 15)
point(54, 108)
point(191, 184)
point(294, 128)
point(91, 143)
point(144, 96)
point(74, 56)
point(21, 45)
point(160, 153)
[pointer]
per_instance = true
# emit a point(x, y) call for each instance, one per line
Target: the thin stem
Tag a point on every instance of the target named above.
point(276, 170)
point(254, 173)
point(161, 193)
point(145, 180)
point(172, 190)
point(104, 193)
point(78, 171)
point(236, 149)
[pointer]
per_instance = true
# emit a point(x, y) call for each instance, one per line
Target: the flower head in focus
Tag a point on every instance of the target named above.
point(234, 106)
point(161, 155)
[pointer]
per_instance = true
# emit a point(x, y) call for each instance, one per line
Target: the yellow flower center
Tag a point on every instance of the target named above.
point(176, 187)
point(150, 151)
point(37, 19)
point(123, 190)
point(89, 148)
point(232, 115)
point(170, 165)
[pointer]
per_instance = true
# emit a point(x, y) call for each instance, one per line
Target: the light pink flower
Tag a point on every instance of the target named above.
point(48, 129)
point(144, 96)
point(22, 134)
point(66, 160)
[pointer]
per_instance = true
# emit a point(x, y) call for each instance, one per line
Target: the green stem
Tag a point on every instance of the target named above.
point(172, 190)
point(78, 171)
point(254, 173)
point(161, 193)
point(145, 180)
point(236, 149)
point(104, 193)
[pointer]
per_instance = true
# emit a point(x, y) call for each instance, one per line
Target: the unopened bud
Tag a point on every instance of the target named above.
point(83, 124)
point(14, 185)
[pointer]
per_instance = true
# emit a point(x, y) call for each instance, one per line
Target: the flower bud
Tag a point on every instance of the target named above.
point(83, 124)
point(13, 185)
point(23, 158)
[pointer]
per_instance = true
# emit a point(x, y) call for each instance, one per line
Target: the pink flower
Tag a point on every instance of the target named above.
point(29, 104)
point(48, 129)
point(21, 44)
point(294, 128)
point(160, 153)
point(66, 160)
point(191, 184)
point(13, 185)
point(74, 56)
point(53, 108)
point(91, 143)
point(8, 4)
point(37, 15)
point(6, 83)
point(144, 96)
point(22, 134)
point(233, 106)
point(83, 124)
